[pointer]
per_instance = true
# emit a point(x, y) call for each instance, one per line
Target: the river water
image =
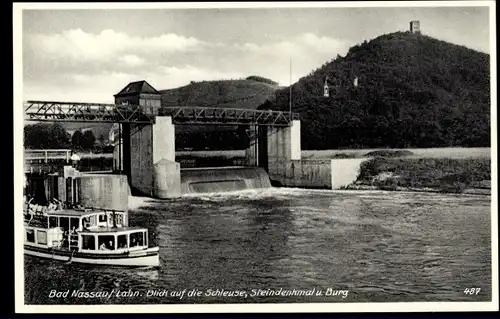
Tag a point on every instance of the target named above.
point(359, 246)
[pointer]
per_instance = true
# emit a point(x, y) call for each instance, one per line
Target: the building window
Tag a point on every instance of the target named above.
point(136, 239)
point(41, 237)
point(122, 241)
point(30, 235)
point(88, 242)
point(106, 242)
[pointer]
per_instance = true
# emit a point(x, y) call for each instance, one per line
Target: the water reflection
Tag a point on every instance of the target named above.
point(266, 241)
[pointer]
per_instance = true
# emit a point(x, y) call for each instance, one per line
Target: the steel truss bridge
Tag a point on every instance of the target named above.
point(137, 114)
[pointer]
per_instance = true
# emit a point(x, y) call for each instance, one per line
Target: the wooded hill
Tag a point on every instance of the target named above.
point(412, 91)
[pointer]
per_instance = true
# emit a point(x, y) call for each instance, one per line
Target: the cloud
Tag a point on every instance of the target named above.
point(79, 66)
point(308, 51)
point(192, 73)
point(322, 44)
point(306, 43)
point(77, 44)
point(131, 60)
point(100, 87)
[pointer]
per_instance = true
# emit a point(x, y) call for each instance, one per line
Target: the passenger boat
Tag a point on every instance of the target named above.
point(87, 236)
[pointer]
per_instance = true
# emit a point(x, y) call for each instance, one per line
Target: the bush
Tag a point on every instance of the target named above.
point(389, 153)
point(344, 155)
point(443, 174)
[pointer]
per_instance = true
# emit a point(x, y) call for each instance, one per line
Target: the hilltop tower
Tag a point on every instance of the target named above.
point(415, 27)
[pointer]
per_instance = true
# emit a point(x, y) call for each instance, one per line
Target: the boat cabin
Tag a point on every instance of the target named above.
point(84, 230)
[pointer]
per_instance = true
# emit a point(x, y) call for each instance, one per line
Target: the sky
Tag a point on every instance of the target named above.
point(88, 55)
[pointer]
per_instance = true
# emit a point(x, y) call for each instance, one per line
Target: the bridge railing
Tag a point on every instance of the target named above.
point(46, 155)
point(227, 116)
point(88, 112)
point(114, 113)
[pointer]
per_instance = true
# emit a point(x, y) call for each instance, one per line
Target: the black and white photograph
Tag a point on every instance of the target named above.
point(255, 157)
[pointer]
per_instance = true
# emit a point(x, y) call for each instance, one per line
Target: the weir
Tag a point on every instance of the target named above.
point(223, 179)
point(273, 157)
point(145, 152)
point(149, 149)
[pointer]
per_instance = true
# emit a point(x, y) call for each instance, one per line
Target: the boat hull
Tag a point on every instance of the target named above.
point(142, 258)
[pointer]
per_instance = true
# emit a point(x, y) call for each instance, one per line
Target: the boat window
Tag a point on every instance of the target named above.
point(64, 223)
point(106, 242)
point(85, 222)
point(102, 218)
point(119, 219)
point(88, 221)
point(88, 242)
point(52, 221)
point(93, 221)
point(122, 241)
point(41, 237)
point(136, 239)
point(30, 235)
point(74, 223)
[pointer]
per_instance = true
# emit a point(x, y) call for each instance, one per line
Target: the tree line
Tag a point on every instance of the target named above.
point(55, 136)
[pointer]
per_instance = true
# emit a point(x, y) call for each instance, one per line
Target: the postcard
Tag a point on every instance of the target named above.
point(255, 157)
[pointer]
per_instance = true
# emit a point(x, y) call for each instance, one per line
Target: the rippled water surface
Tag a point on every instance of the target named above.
point(378, 246)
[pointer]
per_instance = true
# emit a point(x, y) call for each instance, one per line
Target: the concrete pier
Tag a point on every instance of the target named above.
point(283, 146)
point(167, 179)
point(152, 157)
point(278, 150)
point(108, 191)
point(149, 149)
point(324, 174)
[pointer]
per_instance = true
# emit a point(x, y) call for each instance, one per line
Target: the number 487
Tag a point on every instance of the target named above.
point(472, 291)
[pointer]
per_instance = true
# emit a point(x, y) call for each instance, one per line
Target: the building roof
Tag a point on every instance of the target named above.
point(134, 88)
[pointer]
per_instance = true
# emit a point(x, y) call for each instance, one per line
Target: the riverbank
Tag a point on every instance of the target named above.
point(445, 175)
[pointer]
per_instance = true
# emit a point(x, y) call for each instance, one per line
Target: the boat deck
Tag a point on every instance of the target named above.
point(77, 212)
point(110, 229)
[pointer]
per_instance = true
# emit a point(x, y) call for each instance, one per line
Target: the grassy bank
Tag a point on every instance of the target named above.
point(437, 174)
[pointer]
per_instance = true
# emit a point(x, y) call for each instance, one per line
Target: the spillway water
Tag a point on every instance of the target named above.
point(223, 179)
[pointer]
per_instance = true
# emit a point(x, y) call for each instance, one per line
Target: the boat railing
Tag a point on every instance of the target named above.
point(99, 209)
point(37, 209)
point(57, 205)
